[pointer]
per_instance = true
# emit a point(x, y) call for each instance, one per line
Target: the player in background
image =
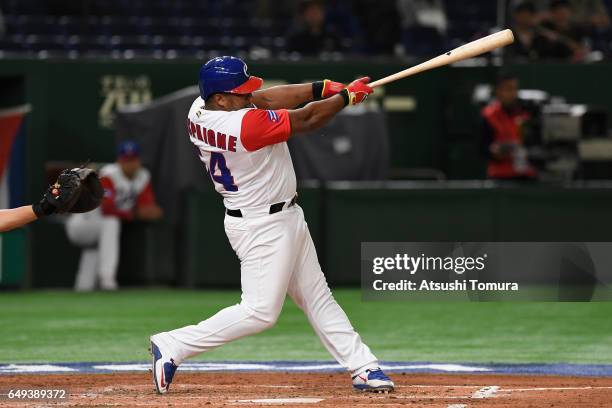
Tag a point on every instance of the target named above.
point(128, 196)
point(240, 133)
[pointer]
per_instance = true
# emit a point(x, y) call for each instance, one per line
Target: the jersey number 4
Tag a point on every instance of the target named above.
point(217, 161)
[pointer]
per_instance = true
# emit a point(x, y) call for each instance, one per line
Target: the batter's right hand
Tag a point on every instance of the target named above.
point(359, 90)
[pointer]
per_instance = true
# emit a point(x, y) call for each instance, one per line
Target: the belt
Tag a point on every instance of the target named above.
point(274, 208)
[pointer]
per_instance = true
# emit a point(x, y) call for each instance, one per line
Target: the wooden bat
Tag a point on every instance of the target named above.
point(469, 50)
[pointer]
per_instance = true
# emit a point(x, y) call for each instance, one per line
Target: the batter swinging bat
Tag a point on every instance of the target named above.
point(469, 50)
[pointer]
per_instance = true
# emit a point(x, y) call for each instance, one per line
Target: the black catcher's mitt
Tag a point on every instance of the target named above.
point(75, 191)
point(91, 191)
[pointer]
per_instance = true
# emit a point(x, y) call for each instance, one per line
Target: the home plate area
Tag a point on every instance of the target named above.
point(328, 389)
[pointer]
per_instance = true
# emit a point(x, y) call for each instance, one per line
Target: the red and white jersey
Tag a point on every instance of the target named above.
point(245, 153)
point(121, 194)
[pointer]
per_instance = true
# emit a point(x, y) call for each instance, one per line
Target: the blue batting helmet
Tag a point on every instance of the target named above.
point(227, 75)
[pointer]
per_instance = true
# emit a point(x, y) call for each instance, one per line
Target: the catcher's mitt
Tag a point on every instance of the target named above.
point(77, 190)
point(91, 191)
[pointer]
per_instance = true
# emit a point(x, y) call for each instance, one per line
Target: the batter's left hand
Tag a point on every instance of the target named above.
point(359, 90)
point(331, 88)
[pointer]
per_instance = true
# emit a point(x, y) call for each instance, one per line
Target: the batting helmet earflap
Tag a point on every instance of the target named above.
point(227, 75)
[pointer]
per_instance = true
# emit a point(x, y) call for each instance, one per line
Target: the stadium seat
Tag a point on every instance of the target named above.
point(423, 41)
point(218, 25)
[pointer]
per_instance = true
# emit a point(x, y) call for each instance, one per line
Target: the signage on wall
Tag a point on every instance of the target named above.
point(121, 90)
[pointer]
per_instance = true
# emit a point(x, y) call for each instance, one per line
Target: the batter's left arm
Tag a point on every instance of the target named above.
point(292, 96)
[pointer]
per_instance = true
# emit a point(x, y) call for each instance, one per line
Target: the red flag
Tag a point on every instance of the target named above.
point(10, 121)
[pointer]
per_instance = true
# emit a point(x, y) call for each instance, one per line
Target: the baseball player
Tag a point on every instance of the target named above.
point(240, 133)
point(127, 196)
point(76, 190)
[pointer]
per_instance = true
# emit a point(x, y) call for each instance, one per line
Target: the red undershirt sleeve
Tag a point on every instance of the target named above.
point(262, 128)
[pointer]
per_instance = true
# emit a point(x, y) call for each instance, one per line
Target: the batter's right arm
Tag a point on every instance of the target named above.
point(283, 96)
point(290, 96)
point(317, 114)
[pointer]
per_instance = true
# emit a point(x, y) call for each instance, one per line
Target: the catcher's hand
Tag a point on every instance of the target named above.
point(76, 190)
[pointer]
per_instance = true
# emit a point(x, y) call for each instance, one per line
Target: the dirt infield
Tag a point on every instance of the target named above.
point(326, 390)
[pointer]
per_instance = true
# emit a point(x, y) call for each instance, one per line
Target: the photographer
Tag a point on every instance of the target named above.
point(502, 135)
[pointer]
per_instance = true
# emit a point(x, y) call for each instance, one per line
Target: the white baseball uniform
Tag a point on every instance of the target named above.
point(246, 155)
point(98, 231)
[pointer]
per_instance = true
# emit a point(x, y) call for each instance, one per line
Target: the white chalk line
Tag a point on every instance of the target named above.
point(456, 406)
point(347, 385)
point(485, 392)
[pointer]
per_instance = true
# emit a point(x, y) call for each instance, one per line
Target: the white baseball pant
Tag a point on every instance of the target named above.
point(277, 257)
point(99, 236)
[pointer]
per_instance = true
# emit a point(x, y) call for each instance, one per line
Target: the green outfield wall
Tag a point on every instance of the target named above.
point(342, 215)
point(13, 262)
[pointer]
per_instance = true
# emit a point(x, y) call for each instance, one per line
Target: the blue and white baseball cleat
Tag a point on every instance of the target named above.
point(373, 380)
point(163, 369)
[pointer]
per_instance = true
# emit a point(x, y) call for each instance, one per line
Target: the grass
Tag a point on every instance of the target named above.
point(61, 326)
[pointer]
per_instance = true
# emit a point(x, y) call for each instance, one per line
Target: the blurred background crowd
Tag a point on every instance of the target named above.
point(570, 30)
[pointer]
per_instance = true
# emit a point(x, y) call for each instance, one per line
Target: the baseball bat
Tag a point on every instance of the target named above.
point(469, 50)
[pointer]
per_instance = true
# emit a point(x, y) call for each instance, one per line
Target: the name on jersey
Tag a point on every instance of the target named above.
point(212, 138)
